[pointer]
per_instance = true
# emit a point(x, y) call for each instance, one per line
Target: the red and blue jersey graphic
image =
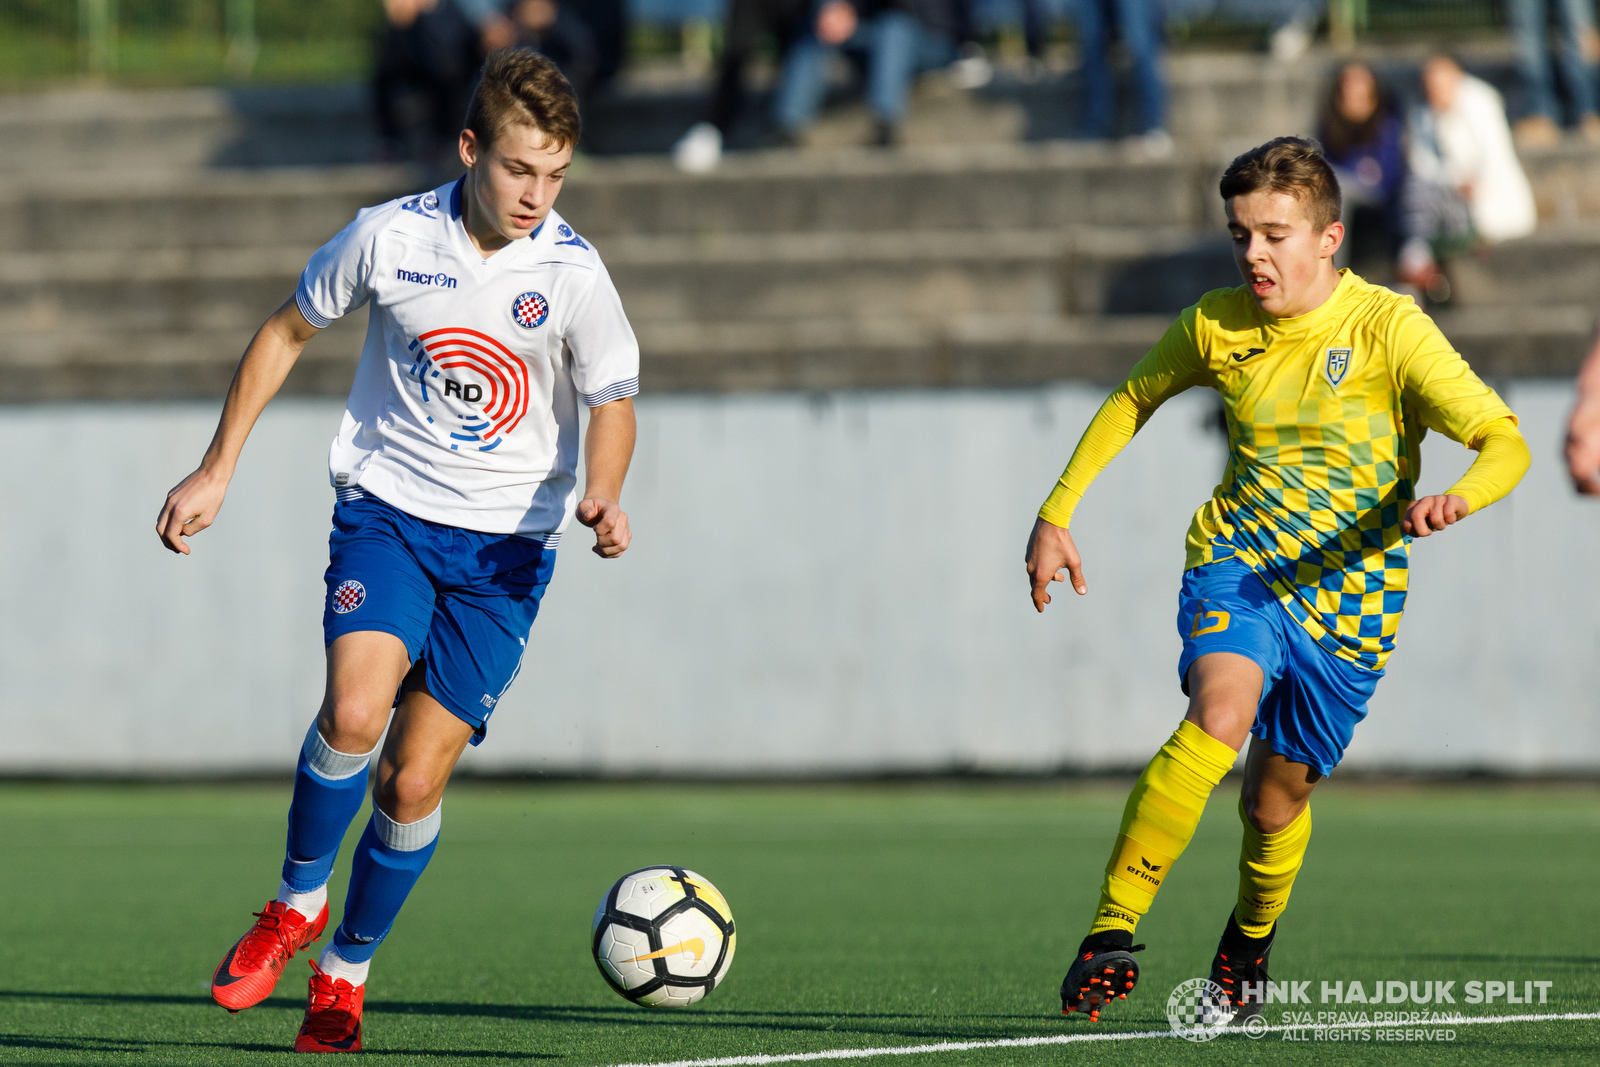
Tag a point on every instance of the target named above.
point(462, 368)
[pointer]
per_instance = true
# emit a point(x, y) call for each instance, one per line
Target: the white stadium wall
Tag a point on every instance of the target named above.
point(817, 585)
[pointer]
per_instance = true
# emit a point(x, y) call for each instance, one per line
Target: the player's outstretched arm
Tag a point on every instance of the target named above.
point(1502, 461)
point(607, 451)
point(1583, 428)
point(193, 503)
point(1050, 548)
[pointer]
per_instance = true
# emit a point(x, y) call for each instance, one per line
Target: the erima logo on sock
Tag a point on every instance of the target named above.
point(1148, 875)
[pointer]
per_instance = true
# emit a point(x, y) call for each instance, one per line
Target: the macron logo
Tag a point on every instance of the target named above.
point(443, 280)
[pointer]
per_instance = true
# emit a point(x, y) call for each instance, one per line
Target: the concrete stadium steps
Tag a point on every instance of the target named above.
point(798, 278)
point(1045, 186)
point(933, 276)
point(982, 351)
point(1012, 186)
point(1212, 96)
point(126, 131)
point(205, 209)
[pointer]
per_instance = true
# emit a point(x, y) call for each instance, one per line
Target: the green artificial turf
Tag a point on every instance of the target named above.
point(868, 916)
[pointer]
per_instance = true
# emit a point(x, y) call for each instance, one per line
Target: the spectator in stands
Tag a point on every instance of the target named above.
point(894, 40)
point(431, 48)
point(749, 21)
point(1364, 140)
point(1139, 25)
point(1467, 187)
point(550, 28)
point(1579, 48)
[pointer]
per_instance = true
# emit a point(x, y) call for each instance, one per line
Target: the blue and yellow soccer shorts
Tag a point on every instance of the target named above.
point(462, 601)
point(1311, 699)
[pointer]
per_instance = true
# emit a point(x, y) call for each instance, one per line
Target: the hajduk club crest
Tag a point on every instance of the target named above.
point(1337, 365)
point(348, 597)
point(530, 310)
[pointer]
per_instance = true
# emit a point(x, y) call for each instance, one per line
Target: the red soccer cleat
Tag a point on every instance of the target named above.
point(251, 968)
point(333, 1015)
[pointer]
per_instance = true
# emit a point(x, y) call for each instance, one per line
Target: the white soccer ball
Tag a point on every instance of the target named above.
point(663, 937)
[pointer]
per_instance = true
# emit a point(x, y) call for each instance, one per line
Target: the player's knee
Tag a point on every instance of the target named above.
point(349, 724)
point(1269, 817)
point(407, 794)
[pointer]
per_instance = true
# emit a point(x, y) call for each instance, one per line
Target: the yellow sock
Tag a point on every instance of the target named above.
point(1267, 866)
point(1163, 810)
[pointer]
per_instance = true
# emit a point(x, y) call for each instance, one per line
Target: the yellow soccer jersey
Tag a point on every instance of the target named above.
point(1326, 412)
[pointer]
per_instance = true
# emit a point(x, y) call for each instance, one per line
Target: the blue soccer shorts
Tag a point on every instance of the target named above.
point(1311, 699)
point(463, 602)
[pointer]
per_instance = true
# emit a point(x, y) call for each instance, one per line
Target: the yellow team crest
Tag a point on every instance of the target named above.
point(1338, 365)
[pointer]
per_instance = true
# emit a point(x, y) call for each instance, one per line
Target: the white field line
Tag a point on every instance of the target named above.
point(1069, 1039)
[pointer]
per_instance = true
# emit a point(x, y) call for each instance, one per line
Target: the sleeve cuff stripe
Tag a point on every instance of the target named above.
point(313, 316)
point(616, 391)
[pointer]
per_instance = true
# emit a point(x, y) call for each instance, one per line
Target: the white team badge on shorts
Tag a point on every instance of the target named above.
point(348, 597)
point(530, 310)
point(1338, 365)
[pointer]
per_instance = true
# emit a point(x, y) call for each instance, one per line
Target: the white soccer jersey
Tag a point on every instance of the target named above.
point(464, 408)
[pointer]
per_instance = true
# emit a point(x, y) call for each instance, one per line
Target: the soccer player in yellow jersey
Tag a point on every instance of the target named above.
point(1296, 570)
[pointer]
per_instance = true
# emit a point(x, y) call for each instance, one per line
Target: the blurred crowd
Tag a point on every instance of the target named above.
point(430, 51)
point(1435, 181)
point(1423, 182)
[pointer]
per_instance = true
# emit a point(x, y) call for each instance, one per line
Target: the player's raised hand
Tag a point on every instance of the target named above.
point(1050, 548)
point(609, 523)
point(1432, 513)
point(190, 507)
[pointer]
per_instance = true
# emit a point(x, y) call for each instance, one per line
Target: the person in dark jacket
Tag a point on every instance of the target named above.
point(1364, 139)
point(553, 29)
point(428, 47)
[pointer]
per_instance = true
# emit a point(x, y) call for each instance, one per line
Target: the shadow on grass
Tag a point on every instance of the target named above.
point(128, 1045)
point(888, 1024)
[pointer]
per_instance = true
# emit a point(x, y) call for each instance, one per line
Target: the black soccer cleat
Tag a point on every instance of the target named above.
point(1240, 968)
point(1103, 971)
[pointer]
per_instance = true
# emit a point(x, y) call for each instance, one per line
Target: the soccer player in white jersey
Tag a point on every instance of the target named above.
point(454, 472)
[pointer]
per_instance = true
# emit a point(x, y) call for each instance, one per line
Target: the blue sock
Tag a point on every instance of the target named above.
point(328, 789)
point(388, 862)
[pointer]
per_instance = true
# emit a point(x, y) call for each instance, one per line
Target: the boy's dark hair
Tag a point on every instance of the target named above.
point(520, 86)
point(1292, 165)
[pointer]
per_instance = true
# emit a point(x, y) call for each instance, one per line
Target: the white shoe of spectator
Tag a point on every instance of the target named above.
point(973, 70)
point(1153, 144)
point(700, 150)
point(1292, 40)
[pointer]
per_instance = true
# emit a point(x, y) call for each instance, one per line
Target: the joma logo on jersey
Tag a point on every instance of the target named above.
point(442, 280)
point(1338, 365)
